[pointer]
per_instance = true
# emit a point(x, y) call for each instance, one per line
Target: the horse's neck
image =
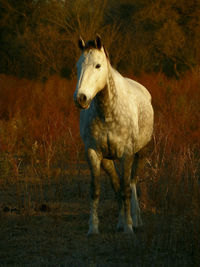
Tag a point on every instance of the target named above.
point(107, 98)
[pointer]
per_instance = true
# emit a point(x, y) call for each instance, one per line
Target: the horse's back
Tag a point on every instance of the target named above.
point(139, 87)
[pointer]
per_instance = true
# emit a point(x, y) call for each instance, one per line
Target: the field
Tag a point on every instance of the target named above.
point(44, 180)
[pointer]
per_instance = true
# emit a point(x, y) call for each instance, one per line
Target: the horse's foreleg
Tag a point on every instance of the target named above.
point(109, 168)
point(94, 163)
point(126, 193)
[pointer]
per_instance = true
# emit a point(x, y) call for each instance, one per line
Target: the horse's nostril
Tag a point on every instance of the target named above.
point(82, 99)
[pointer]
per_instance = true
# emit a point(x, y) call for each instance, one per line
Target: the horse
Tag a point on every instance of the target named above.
point(116, 123)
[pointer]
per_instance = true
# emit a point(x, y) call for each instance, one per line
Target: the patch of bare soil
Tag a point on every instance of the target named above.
point(45, 224)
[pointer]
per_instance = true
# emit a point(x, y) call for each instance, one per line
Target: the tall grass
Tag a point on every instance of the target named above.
point(40, 129)
point(174, 162)
point(39, 132)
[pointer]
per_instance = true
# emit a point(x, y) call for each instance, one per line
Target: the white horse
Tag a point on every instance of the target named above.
point(116, 122)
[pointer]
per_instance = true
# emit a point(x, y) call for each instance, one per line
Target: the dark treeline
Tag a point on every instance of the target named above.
point(39, 38)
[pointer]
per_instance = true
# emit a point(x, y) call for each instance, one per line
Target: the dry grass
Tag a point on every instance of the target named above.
point(44, 182)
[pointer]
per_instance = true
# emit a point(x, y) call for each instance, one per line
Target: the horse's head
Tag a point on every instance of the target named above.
point(92, 70)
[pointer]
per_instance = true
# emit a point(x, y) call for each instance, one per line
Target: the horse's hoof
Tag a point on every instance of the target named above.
point(137, 221)
point(128, 229)
point(93, 232)
point(120, 228)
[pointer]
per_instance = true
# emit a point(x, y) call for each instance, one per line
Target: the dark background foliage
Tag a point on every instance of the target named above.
point(39, 38)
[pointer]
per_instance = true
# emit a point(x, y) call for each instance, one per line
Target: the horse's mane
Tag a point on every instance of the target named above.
point(91, 44)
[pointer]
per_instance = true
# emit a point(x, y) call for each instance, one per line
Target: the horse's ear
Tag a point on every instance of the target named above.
point(98, 41)
point(81, 43)
point(106, 53)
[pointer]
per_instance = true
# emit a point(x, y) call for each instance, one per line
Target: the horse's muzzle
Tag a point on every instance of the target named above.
point(82, 101)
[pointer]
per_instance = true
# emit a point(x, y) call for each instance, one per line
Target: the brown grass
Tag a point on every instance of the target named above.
point(44, 181)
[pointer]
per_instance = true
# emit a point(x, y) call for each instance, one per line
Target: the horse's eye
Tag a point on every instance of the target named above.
point(97, 66)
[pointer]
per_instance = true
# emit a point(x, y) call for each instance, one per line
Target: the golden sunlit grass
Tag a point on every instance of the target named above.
point(44, 181)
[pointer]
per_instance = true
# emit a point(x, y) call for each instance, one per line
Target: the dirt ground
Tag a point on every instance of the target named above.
point(45, 223)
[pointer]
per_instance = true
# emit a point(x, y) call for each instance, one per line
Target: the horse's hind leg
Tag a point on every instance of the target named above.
point(126, 164)
point(109, 168)
point(138, 164)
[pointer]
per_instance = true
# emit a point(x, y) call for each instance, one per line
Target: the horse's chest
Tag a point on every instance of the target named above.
point(110, 139)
